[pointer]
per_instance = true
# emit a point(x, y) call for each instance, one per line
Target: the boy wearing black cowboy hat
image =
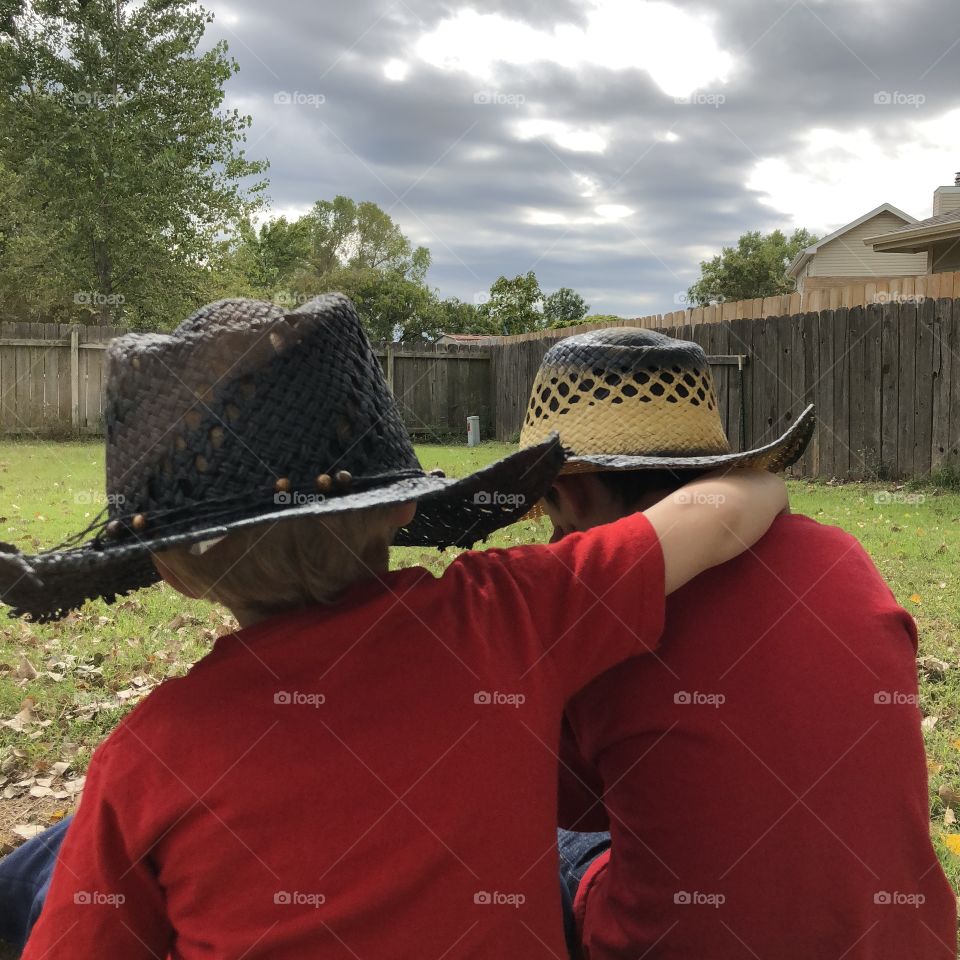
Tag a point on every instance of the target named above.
point(361, 770)
point(763, 773)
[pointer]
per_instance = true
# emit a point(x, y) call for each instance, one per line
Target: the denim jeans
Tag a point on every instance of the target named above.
point(577, 851)
point(24, 881)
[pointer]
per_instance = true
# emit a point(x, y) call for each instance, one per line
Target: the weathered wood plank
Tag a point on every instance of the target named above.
point(839, 374)
point(856, 334)
point(890, 407)
point(825, 395)
point(923, 386)
point(942, 371)
point(811, 362)
point(872, 396)
point(907, 325)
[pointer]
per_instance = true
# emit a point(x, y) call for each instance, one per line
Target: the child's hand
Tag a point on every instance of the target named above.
point(713, 519)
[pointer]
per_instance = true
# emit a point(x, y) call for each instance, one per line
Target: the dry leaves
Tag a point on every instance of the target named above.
point(933, 666)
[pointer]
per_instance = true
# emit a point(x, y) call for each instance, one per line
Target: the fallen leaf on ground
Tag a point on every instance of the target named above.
point(28, 830)
point(26, 670)
point(948, 795)
point(21, 721)
point(933, 666)
point(952, 842)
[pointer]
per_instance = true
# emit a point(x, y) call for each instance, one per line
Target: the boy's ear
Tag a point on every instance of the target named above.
point(403, 514)
point(170, 577)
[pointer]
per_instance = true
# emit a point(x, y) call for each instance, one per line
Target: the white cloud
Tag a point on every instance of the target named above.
point(588, 186)
point(676, 48)
point(603, 213)
point(836, 176)
point(613, 211)
point(274, 213)
point(564, 135)
point(396, 70)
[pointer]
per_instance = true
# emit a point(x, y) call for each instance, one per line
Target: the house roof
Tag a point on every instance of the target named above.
point(915, 237)
point(803, 257)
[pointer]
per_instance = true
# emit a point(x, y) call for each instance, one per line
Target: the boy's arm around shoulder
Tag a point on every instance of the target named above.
point(713, 520)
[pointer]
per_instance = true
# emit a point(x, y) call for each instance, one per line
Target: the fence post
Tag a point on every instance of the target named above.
point(75, 377)
point(390, 366)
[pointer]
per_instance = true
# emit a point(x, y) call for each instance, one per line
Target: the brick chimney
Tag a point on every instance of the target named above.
point(947, 199)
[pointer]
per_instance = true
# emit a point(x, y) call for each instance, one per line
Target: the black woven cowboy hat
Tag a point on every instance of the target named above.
point(634, 399)
point(248, 414)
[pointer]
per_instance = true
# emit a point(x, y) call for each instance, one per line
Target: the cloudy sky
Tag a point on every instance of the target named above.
point(609, 145)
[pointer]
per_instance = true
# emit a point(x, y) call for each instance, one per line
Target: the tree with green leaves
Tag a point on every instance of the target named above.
point(564, 308)
point(514, 305)
point(353, 248)
point(755, 267)
point(344, 233)
point(113, 121)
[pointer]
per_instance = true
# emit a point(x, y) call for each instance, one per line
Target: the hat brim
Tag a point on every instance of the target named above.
point(450, 512)
point(775, 456)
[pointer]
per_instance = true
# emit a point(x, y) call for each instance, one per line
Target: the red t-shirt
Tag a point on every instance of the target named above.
point(376, 779)
point(765, 774)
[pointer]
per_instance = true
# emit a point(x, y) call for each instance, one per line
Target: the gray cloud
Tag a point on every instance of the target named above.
point(456, 177)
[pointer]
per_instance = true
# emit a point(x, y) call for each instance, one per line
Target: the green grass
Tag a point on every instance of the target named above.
point(89, 664)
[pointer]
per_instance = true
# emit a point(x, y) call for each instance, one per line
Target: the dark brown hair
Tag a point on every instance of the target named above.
point(629, 486)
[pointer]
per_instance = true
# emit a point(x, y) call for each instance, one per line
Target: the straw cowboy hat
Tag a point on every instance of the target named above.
point(248, 414)
point(633, 399)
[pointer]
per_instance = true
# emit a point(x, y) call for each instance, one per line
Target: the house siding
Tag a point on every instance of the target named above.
point(946, 200)
point(848, 256)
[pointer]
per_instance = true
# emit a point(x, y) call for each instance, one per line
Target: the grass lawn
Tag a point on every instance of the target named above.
point(64, 686)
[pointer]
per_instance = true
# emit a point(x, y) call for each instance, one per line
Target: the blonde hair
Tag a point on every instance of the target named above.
point(280, 566)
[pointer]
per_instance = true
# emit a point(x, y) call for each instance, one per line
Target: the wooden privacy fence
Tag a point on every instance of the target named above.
point(51, 377)
point(51, 381)
point(812, 300)
point(885, 378)
point(438, 387)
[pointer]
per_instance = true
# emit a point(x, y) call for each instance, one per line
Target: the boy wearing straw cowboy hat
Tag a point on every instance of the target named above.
point(326, 781)
point(762, 774)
